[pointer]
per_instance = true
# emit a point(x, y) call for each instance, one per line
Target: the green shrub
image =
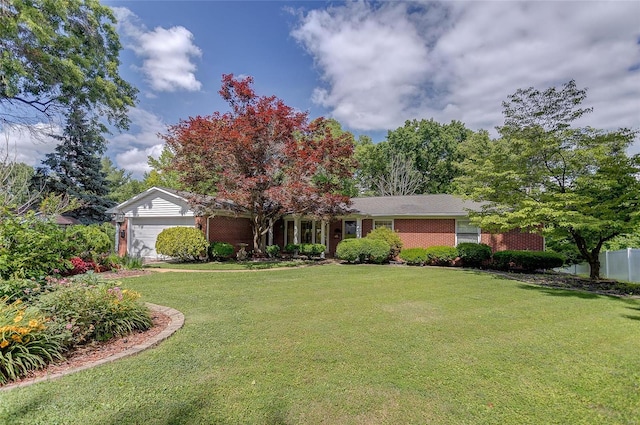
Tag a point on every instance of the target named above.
point(474, 254)
point(182, 243)
point(390, 237)
point(291, 248)
point(86, 309)
point(31, 247)
point(272, 251)
point(350, 250)
point(26, 343)
point(441, 255)
point(363, 250)
point(528, 261)
point(220, 251)
point(88, 242)
point(414, 256)
point(312, 249)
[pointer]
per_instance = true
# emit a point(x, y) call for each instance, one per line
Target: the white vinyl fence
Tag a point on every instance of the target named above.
point(620, 265)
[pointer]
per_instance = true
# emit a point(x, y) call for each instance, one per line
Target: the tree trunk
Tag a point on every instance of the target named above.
point(594, 265)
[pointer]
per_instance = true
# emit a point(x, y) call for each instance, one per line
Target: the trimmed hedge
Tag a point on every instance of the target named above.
point(312, 249)
point(363, 250)
point(528, 261)
point(414, 256)
point(272, 250)
point(474, 254)
point(182, 243)
point(441, 255)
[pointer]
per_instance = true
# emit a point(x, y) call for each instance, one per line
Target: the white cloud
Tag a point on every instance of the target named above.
point(27, 144)
point(135, 159)
point(131, 149)
point(167, 54)
point(387, 63)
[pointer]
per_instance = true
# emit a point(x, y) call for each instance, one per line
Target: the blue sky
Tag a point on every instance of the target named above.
point(369, 65)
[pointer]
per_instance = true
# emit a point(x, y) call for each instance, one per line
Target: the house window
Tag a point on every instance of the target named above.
point(467, 232)
point(383, 223)
point(350, 229)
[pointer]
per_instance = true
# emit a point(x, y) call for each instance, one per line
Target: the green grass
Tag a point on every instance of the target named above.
point(230, 265)
point(361, 345)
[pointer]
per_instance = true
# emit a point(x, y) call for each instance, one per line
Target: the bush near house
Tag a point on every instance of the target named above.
point(528, 261)
point(363, 251)
point(182, 243)
point(414, 256)
point(312, 249)
point(474, 254)
point(89, 242)
point(291, 248)
point(220, 251)
point(273, 251)
point(388, 236)
point(441, 255)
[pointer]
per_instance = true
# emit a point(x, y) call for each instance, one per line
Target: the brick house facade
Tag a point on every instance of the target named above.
point(419, 220)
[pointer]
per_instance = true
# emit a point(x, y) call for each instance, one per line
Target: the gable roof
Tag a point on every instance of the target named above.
point(414, 205)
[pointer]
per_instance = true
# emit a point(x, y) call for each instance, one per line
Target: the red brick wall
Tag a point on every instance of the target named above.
point(515, 240)
point(424, 233)
point(233, 230)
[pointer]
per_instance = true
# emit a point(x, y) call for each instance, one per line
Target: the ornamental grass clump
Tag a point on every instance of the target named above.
point(89, 309)
point(26, 342)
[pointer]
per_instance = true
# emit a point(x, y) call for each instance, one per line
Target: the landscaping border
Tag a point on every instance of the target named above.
point(176, 322)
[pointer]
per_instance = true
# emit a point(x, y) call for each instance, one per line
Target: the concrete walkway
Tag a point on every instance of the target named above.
point(176, 322)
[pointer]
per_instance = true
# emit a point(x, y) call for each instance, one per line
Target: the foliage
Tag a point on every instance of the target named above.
point(390, 237)
point(441, 255)
point(89, 242)
point(273, 251)
point(542, 175)
point(363, 250)
point(131, 262)
point(414, 256)
point(74, 168)
point(182, 243)
point(89, 309)
point(121, 186)
point(312, 249)
point(529, 261)
point(15, 181)
point(220, 250)
point(161, 174)
point(55, 54)
point(80, 266)
point(474, 254)
point(291, 248)
point(264, 157)
point(419, 157)
point(31, 246)
point(25, 342)
point(630, 240)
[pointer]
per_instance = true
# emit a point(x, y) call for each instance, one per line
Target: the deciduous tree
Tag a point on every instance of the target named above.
point(57, 53)
point(264, 157)
point(544, 175)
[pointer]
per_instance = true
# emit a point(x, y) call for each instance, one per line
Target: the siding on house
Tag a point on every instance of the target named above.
point(159, 205)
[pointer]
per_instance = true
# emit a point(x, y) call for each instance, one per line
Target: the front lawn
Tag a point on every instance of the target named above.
point(230, 265)
point(361, 345)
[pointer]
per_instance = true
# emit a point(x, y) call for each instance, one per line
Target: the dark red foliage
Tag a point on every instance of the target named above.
point(264, 157)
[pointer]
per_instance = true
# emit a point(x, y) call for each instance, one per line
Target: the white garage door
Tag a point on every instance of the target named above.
point(145, 231)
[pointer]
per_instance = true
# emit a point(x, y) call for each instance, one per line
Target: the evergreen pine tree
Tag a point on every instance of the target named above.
point(75, 169)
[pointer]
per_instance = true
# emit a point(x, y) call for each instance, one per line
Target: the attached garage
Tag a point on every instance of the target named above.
point(141, 219)
point(143, 232)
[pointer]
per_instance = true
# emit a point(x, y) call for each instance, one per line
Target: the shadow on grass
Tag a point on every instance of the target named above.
point(559, 292)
